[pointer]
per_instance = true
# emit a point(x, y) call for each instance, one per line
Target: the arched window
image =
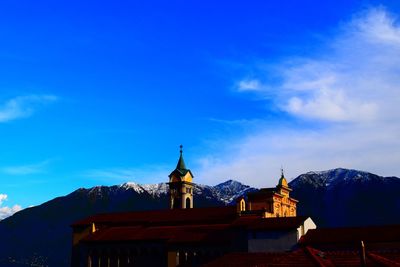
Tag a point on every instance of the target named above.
point(188, 206)
point(242, 205)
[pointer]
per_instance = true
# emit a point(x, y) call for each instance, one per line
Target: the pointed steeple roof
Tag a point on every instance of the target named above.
point(181, 163)
point(282, 181)
point(181, 166)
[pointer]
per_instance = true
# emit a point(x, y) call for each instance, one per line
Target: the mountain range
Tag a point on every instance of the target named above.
point(41, 235)
point(342, 197)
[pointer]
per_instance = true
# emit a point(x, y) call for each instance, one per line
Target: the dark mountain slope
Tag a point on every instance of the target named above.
point(343, 197)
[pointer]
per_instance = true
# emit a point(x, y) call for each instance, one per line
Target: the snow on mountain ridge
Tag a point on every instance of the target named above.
point(230, 190)
point(152, 189)
point(332, 177)
point(156, 189)
point(226, 192)
point(132, 185)
point(97, 190)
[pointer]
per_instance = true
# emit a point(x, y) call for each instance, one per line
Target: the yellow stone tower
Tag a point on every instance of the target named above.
point(284, 205)
point(181, 186)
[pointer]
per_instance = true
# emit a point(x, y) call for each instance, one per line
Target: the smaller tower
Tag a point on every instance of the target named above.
point(181, 186)
point(273, 202)
point(283, 187)
point(285, 205)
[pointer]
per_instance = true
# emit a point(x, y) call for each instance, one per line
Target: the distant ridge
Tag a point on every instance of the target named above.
point(346, 197)
point(41, 235)
point(226, 192)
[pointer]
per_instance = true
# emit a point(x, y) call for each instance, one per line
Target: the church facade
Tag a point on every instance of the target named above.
point(273, 202)
point(263, 221)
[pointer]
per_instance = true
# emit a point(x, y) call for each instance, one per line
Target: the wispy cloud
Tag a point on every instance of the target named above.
point(121, 175)
point(7, 211)
point(23, 106)
point(257, 158)
point(349, 94)
point(356, 79)
point(236, 122)
point(26, 169)
point(249, 85)
point(2, 198)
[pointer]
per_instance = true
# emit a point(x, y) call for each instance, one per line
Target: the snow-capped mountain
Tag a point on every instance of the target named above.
point(154, 190)
point(230, 190)
point(226, 192)
point(334, 177)
point(46, 236)
point(343, 197)
point(41, 235)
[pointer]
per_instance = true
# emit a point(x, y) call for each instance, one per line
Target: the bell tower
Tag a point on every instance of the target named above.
point(181, 186)
point(283, 187)
point(273, 202)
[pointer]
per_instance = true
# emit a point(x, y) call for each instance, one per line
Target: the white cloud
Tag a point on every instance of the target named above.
point(331, 105)
point(377, 26)
point(7, 211)
point(3, 197)
point(26, 169)
point(346, 100)
point(23, 106)
point(355, 79)
point(257, 159)
point(249, 85)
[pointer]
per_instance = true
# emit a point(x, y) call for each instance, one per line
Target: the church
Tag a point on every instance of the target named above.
point(183, 235)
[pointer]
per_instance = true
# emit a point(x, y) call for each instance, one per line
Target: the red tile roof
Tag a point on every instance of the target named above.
point(170, 234)
point(382, 261)
point(215, 232)
point(306, 257)
point(202, 216)
point(318, 257)
point(211, 225)
point(164, 217)
point(350, 237)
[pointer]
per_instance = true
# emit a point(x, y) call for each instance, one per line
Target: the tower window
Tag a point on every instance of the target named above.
point(242, 205)
point(188, 202)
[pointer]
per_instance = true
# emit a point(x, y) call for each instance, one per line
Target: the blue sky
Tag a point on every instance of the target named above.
point(101, 93)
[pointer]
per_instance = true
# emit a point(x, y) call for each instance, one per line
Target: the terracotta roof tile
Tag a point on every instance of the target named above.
point(164, 217)
point(303, 257)
point(335, 237)
point(384, 261)
point(170, 234)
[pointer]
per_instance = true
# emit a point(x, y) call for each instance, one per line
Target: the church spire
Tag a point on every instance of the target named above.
point(181, 163)
point(282, 181)
point(181, 185)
